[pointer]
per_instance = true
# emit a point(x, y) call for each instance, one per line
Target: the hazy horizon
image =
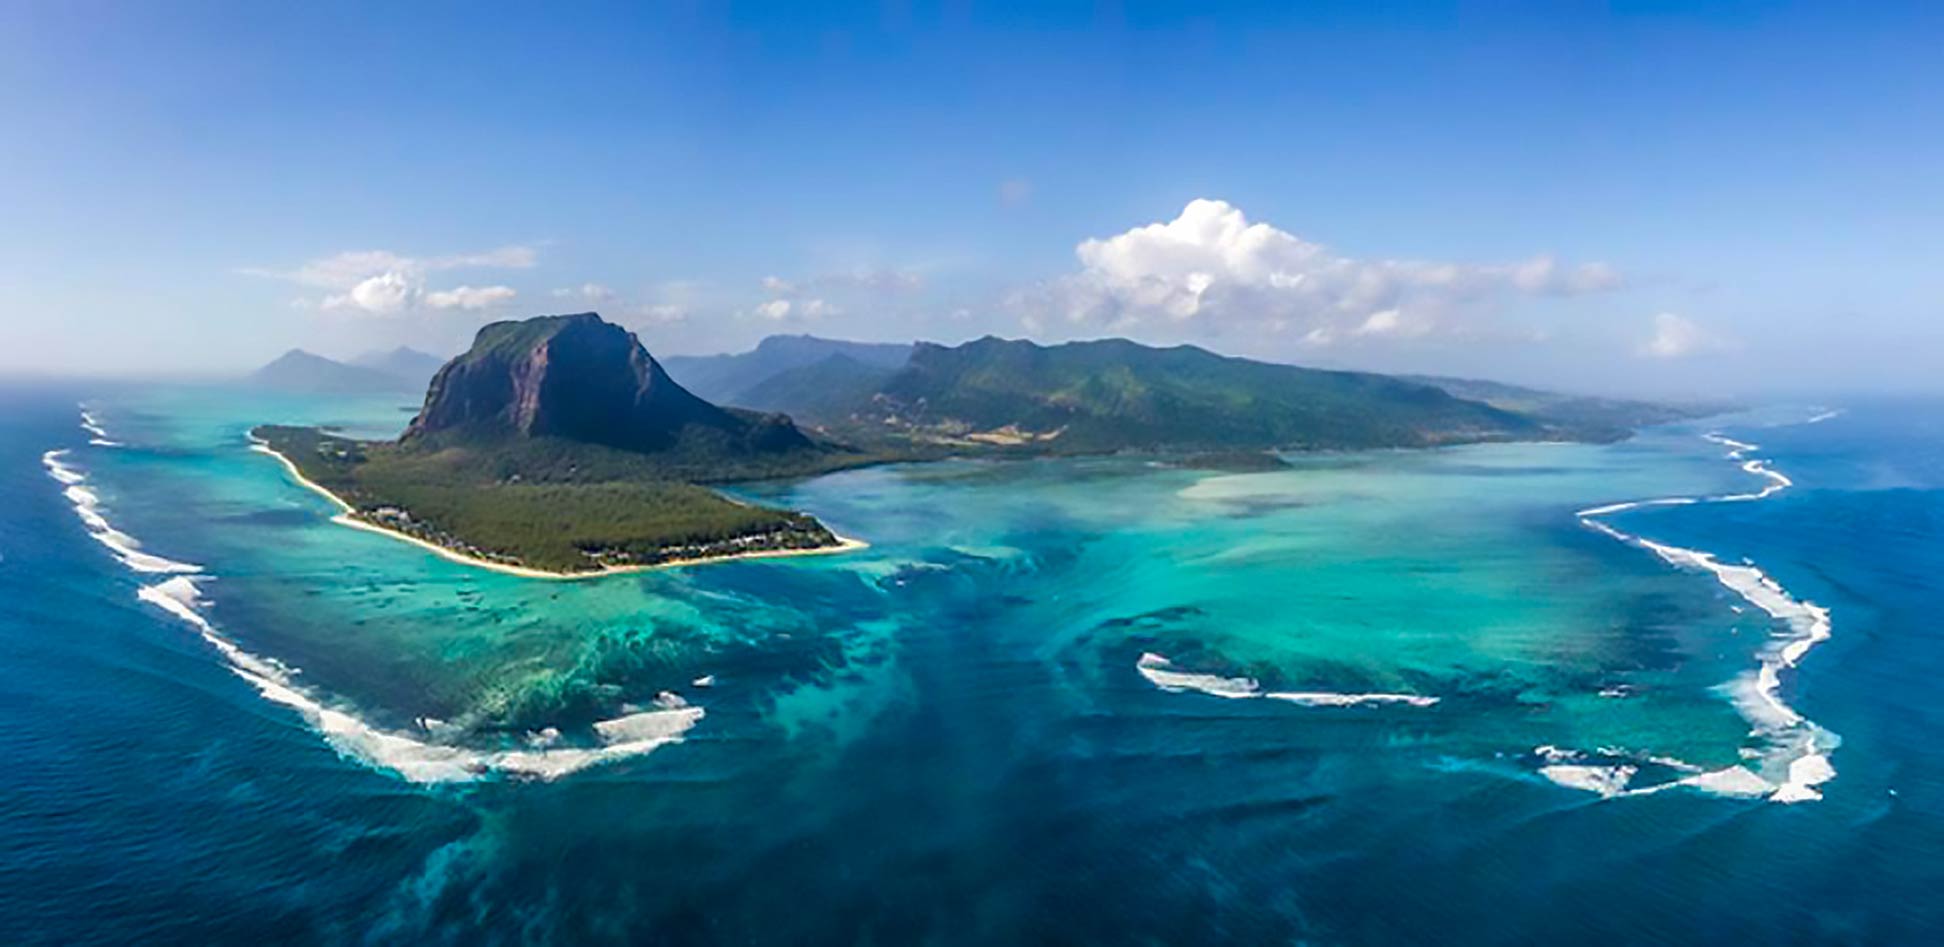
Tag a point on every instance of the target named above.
point(1733, 202)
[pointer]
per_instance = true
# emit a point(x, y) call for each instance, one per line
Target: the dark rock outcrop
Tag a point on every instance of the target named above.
point(581, 378)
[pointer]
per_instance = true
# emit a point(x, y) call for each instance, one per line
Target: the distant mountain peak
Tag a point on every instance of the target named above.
point(305, 371)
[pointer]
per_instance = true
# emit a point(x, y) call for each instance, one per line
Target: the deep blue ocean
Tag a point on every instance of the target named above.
point(967, 733)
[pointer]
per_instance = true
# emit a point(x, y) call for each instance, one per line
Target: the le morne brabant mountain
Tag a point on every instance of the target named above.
point(559, 443)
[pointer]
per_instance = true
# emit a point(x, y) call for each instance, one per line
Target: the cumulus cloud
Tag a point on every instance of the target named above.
point(469, 297)
point(1211, 265)
point(774, 309)
point(1676, 337)
point(380, 282)
point(387, 292)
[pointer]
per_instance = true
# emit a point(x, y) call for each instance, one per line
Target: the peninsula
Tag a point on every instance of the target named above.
point(557, 446)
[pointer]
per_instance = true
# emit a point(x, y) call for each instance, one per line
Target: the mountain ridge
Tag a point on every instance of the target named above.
point(986, 403)
point(1116, 394)
point(405, 362)
point(730, 377)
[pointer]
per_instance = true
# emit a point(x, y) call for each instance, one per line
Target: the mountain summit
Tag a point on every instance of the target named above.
point(301, 371)
point(581, 378)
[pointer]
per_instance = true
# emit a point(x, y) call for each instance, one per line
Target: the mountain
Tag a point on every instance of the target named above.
point(1582, 417)
point(729, 379)
point(301, 371)
point(831, 385)
point(1115, 394)
point(578, 378)
point(409, 364)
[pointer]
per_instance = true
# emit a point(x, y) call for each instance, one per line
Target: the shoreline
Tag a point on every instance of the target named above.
point(345, 517)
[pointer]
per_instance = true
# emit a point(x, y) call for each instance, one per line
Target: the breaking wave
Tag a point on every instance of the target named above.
point(415, 756)
point(87, 506)
point(96, 435)
point(1797, 761)
point(1163, 673)
point(1611, 773)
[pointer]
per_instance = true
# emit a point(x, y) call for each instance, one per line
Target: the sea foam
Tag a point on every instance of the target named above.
point(1797, 760)
point(1163, 673)
point(87, 506)
point(97, 436)
point(412, 756)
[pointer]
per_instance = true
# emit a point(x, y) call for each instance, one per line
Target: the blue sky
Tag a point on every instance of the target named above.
point(1604, 195)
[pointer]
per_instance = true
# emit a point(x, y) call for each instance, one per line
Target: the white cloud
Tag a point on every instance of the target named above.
point(1678, 337)
point(668, 306)
point(388, 292)
point(469, 297)
point(381, 282)
point(587, 292)
point(1389, 322)
point(1211, 265)
point(831, 294)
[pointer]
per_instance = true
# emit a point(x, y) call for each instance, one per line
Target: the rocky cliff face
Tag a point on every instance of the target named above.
point(584, 379)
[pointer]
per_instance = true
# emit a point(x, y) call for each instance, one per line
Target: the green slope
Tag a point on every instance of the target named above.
point(1116, 395)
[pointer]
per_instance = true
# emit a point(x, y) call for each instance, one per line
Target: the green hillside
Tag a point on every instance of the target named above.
point(1118, 395)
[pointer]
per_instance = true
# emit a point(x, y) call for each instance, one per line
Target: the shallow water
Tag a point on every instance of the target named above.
point(951, 736)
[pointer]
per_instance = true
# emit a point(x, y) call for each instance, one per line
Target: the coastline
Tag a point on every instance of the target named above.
point(345, 517)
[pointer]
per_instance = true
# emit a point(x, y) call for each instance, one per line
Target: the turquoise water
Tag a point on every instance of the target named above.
point(1051, 702)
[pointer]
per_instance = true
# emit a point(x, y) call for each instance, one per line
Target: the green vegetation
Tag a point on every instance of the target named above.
point(546, 504)
point(1569, 417)
point(735, 379)
point(833, 384)
point(1112, 395)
